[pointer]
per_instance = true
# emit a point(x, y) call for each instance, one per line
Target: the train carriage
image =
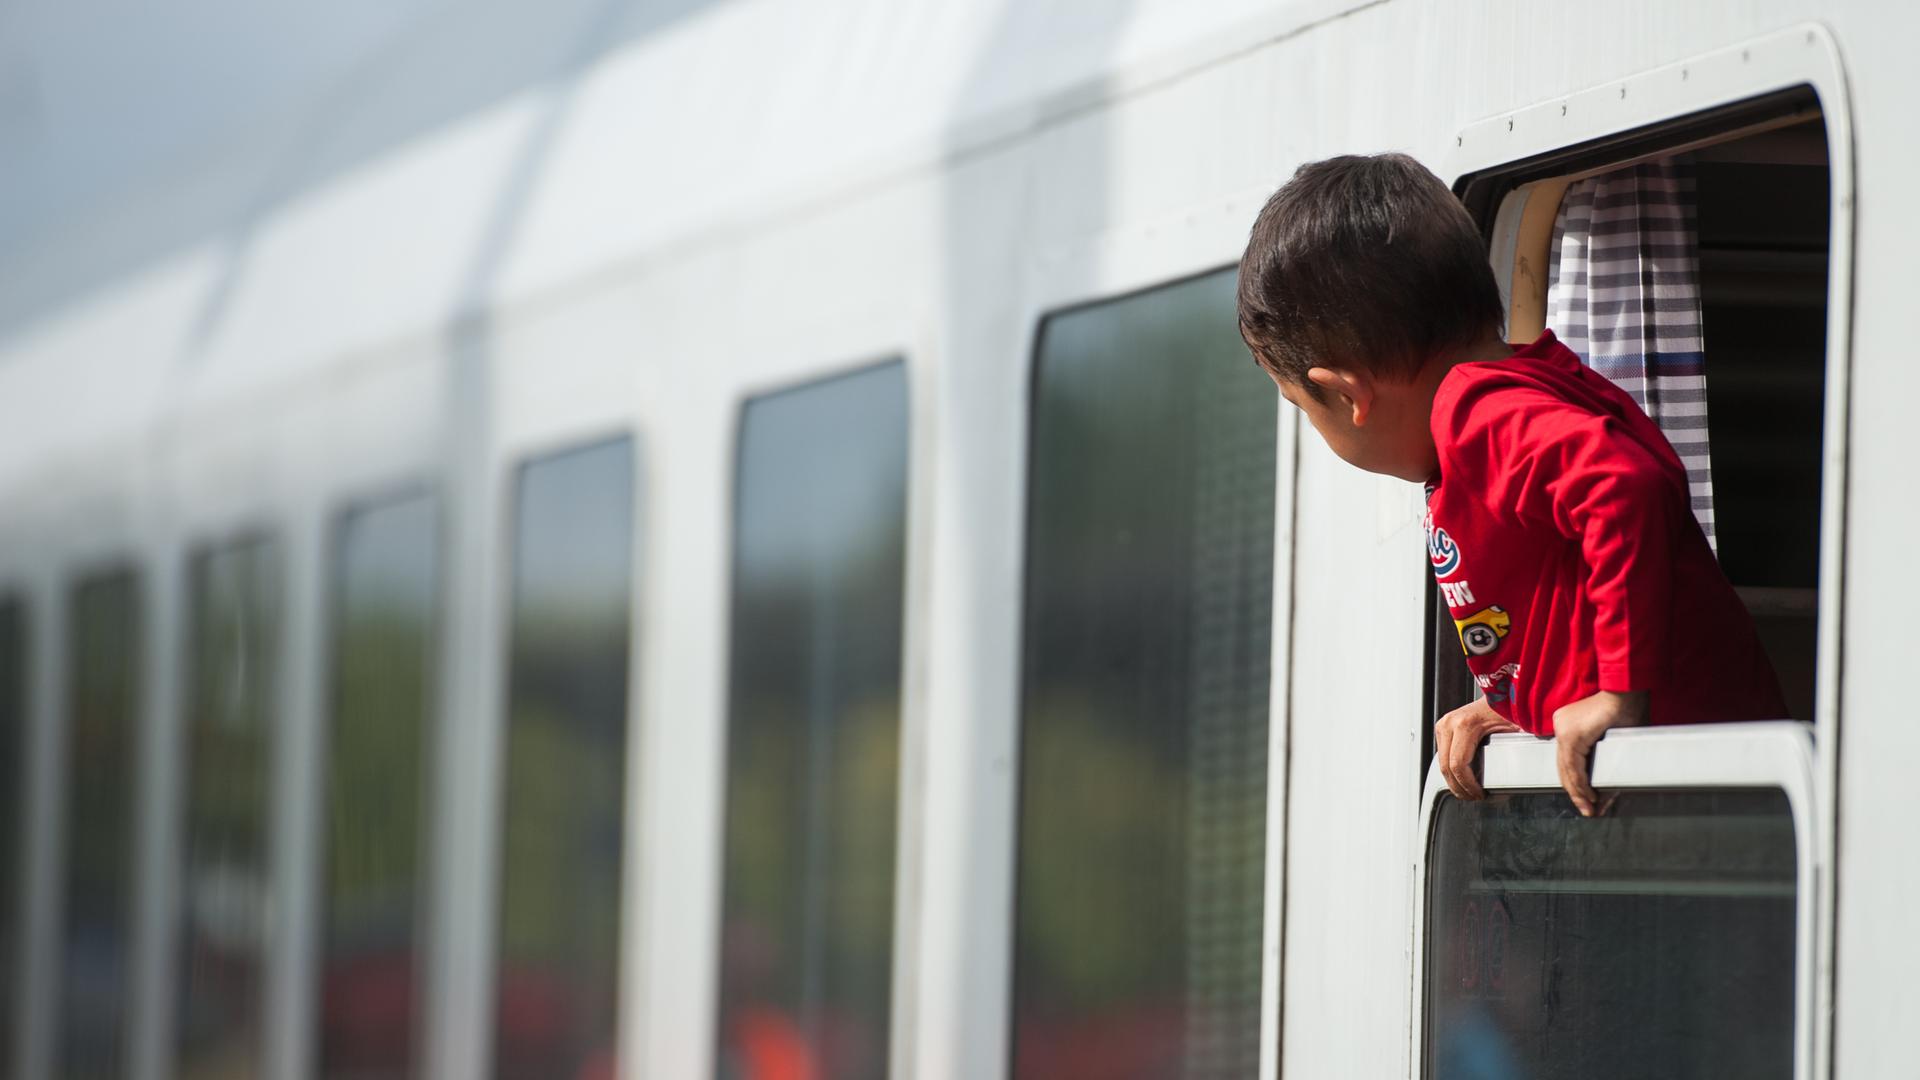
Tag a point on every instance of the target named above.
point(719, 538)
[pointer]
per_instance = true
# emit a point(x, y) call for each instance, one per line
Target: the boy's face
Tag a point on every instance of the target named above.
point(1381, 427)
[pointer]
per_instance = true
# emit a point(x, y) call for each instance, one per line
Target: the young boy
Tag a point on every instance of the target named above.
point(1559, 522)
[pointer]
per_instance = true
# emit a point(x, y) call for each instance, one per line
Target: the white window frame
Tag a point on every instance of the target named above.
point(1803, 56)
point(1775, 754)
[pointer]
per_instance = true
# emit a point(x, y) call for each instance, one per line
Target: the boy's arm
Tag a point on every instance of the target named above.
point(1583, 474)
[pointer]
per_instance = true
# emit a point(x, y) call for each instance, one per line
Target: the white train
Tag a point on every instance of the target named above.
point(738, 539)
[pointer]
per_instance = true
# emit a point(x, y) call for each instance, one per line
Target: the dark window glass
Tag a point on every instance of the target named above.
point(103, 721)
point(1143, 753)
point(562, 833)
point(385, 582)
point(227, 899)
point(813, 754)
point(13, 786)
point(1655, 941)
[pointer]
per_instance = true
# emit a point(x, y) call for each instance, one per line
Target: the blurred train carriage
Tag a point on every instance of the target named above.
point(717, 538)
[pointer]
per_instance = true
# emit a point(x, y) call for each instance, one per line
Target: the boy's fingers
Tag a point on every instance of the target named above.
point(1462, 750)
point(1442, 743)
point(1573, 776)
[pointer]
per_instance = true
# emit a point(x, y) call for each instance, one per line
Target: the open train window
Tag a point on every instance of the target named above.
point(1705, 242)
point(1702, 209)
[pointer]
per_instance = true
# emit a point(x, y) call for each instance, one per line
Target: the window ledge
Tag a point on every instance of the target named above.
point(1693, 755)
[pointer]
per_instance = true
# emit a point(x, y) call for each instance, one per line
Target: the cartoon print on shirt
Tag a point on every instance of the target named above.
point(1480, 632)
point(1442, 552)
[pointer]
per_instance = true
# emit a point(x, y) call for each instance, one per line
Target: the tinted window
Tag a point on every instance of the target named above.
point(562, 833)
point(814, 730)
point(103, 691)
point(234, 604)
point(1655, 941)
point(13, 783)
point(384, 588)
point(1144, 700)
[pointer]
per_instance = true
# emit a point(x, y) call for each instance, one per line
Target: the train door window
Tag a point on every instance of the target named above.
point(563, 831)
point(13, 786)
point(385, 580)
point(1733, 242)
point(103, 688)
point(813, 735)
point(1661, 939)
point(1144, 696)
point(234, 605)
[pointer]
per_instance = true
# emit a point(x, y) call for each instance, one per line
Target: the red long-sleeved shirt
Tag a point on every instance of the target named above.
point(1561, 531)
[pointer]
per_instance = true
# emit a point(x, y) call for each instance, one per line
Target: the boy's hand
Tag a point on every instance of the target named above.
point(1578, 726)
point(1457, 736)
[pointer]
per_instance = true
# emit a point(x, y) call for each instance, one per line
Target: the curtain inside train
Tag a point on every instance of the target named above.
point(1623, 291)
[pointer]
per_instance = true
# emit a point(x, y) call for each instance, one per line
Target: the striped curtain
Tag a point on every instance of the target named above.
point(1623, 291)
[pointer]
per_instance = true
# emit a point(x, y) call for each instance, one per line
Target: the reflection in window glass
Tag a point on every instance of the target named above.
point(103, 702)
point(562, 830)
point(1143, 753)
point(13, 785)
point(1655, 941)
point(384, 588)
point(227, 899)
point(814, 730)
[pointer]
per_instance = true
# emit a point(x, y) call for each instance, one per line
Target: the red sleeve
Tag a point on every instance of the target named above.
point(1586, 476)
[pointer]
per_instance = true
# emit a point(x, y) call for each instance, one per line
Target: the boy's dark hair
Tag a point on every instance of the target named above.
point(1364, 262)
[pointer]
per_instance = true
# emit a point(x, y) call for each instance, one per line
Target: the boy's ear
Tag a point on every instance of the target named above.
point(1353, 388)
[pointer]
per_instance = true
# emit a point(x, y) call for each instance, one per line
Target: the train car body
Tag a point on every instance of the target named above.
point(500, 247)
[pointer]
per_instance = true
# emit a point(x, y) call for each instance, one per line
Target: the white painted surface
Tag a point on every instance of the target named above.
point(405, 275)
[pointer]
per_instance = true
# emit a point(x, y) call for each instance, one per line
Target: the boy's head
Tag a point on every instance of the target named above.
point(1361, 273)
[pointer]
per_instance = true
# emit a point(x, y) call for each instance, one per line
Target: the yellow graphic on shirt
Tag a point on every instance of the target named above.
point(1480, 632)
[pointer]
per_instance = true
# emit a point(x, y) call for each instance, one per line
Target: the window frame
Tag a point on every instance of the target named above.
point(1706, 98)
point(1775, 754)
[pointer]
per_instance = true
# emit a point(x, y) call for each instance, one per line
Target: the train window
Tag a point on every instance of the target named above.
point(234, 603)
point(13, 786)
point(1734, 240)
point(103, 687)
point(563, 824)
point(1656, 941)
point(1144, 698)
point(813, 752)
point(385, 582)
